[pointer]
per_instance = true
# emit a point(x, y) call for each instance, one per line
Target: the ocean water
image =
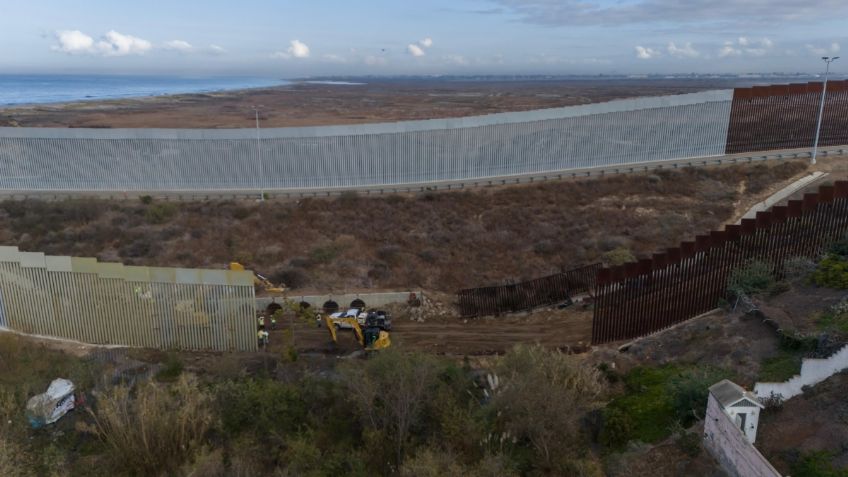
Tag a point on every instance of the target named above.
point(39, 89)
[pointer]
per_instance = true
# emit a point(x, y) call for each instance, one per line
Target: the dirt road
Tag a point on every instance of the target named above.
point(561, 329)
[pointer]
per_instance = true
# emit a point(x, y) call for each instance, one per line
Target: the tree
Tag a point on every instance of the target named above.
point(390, 392)
point(540, 398)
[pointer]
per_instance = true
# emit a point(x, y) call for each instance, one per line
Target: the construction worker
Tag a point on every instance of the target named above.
point(274, 321)
point(262, 321)
point(263, 337)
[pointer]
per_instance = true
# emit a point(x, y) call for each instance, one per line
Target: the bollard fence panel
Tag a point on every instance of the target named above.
point(108, 303)
point(637, 299)
point(549, 290)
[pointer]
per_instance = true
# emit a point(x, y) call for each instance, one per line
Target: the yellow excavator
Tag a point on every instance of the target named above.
point(372, 339)
point(258, 279)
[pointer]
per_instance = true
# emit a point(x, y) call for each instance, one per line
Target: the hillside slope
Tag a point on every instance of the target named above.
point(440, 241)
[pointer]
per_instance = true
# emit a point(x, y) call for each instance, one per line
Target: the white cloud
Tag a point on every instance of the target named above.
point(426, 43)
point(744, 46)
point(216, 50)
point(646, 53)
point(334, 58)
point(118, 44)
point(824, 50)
point(685, 51)
point(415, 50)
point(179, 45)
point(111, 44)
point(73, 42)
point(458, 60)
point(296, 49)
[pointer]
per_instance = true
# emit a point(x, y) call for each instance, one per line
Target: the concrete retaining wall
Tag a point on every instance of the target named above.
point(813, 371)
point(372, 300)
point(726, 442)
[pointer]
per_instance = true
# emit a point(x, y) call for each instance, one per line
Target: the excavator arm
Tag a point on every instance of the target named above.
point(258, 279)
point(381, 342)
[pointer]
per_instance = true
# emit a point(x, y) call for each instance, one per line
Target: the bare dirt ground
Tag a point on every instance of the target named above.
point(305, 104)
point(796, 310)
point(814, 421)
point(727, 340)
point(569, 330)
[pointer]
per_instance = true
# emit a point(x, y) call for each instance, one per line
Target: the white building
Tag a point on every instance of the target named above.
point(740, 405)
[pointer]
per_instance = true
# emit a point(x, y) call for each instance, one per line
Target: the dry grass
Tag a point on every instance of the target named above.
point(437, 241)
point(154, 429)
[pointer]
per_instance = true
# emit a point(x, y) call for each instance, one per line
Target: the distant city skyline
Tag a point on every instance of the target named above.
point(290, 39)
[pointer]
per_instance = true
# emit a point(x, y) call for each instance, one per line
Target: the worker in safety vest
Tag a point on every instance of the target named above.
point(273, 322)
point(261, 321)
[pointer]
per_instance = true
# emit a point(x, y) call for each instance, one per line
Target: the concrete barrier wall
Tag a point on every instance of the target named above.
point(372, 300)
point(726, 442)
point(84, 300)
point(629, 131)
point(813, 371)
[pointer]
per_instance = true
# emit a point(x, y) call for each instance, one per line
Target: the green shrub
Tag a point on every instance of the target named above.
point(833, 322)
point(160, 213)
point(646, 406)
point(832, 272)
point(689, 393)
point(171, 369)
point(816, 464)
point(656, 401)
point(261, 406)
point(146, 199)
point(781, 367)
point(617, 428)
point(618, 256)
point(840, 247)
point(752, 279)
point(325, 254)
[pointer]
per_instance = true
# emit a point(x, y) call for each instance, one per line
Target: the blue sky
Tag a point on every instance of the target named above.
point(374, 37)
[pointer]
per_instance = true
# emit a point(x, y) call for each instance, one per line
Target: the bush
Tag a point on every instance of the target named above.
point(390, 392)
point(690, 391)
point(325, 254)
point(832, 272)
point(171, 369)
point(617, 428)
point(618, 256)
point(542, 397)
point(816, 464)
point(263, 407)
point(690, 443)
point(157, 429)
point(798, 269)
point(752, 279)
point(146, 199)
point(160, 213)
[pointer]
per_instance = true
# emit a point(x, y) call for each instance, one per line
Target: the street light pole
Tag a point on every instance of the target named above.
point(828, 60)
point(259, 157)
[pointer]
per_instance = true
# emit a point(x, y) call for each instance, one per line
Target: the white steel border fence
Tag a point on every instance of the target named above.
point(629, 131)
point(108, 303)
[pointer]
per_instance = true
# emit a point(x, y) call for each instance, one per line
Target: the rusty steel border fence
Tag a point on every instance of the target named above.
point(495, 300)
point(640, 298)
